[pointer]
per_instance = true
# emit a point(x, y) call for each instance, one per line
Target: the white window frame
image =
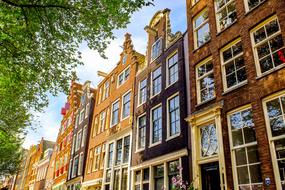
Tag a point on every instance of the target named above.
point(84, 136)
point(217, 12)
point(80, 164)
point(139, 92)
point(151, 143)
point(81, 117)
point(247, 7)
point(111, 118)
point(198, 90)
point(102, 120)
point(175, 52)
point(254, 46)
point(137, 134)
point(106, 91)
point(74, 172)
point(151, 82)
point(224, 77)
point(130, 102)
point(195, 30)
point(123, 73)
point(272, 139)
point(169, 137)
point(159, 40)
point(245, 145)
point(78, 144)
point(87, 109)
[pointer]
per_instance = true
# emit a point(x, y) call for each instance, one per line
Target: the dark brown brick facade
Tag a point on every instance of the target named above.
point(256, 88)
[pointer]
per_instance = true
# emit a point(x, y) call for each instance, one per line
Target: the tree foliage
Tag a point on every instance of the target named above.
point(39, 42)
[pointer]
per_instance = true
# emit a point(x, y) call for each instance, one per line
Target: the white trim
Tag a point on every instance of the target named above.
point(80, 164)
point(247, 7)
point(167, 68)
point(151, 82)
point(151, 58)
point(124, 76)
point(137, 133)
point(73, 174)
point(206, 9)
point(220, 10)
point(139, 92)
point(122, 110)
point(151, 144)
point(111, 116)
point(168, 137)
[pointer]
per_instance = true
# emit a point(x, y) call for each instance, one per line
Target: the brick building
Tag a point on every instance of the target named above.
point(64, 137)
point(237, 87)
point(81, 131)
point(160, 133)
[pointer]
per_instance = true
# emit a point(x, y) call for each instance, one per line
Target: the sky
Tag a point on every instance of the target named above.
point(47, 123)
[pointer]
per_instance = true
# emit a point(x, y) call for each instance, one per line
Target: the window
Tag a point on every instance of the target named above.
point(274, 110)
point(172, 69)
point(251, 4)
point(110, 156)
point(107, 179)
point(81, 117)
point(70, 169)
point(126, 105)
point(80, 163)
point(173, 172)
point(173, 116)
point(244, 150)
point(119, 151)
point(141, 132)
point(103, 156)
point(116, 180)
point(84, 135)
point(75, 167)
point(77, 121)
point(78, 141)
point(124, 180)
point(123, 76)
point(156, 49)
point(96, 158)
point(142, 91)
point(90, 161)
point(95, 129)
point(137, 180)
point(233, 65)
point(102, 121)
point(106, 90)
point(268, 45)
point(225, 13)
point(156, 117)
point(159, 177)
point(115, 113)
point(87, 109)
point(141, 179)
point(156, 81)
point(73, 143)
point(208, 141)
point(205, 81)
point(126, 149)
point(124, 60)
point(201, 28)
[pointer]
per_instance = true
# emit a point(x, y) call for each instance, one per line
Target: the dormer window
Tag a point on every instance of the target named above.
point(156, 49)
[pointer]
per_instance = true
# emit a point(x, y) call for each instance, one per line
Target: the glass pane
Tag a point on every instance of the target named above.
point(259, 35)
point(240, 156)
point(146, 174)
point(209, 144)
point(252, 154)
point(263, 50)
point(279, 57)
point(203, 34)
point(255, 173)
point(227, 54)
point(243, 177)
point(272, 27)
point(266, 64)
point(237, 137)
point(249, 134)
point(276, 43)
point(231, 80)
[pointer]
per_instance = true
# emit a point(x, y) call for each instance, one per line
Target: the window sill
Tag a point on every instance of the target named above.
point(153, 60)
point(173, 137)
point(221, 31)
point(139, 150)
point(154, 144)
point(169, 85)
point(270, 71)
point(251, 10)
point(140, 104)
point(127, 117)
point(202, 103)
point(155, 95)
point(235, 87)
point(196, 49)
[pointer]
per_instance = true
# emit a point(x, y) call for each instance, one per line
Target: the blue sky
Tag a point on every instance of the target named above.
point(47, 123)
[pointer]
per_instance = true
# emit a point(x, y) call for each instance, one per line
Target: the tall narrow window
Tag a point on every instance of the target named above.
point(106, 89)
point(123, 76)
point(226, 13)
point(97, 158)
point(156, 116)
point(78, 141)
point(159, 177)
point(102, 120)
point(244, 149)
point(274, 108)
point(110, 156)
point(90, 161)
point(172, 69)
point(103, 156)
point(233, 65)
point(208, 140)
point(84, 136)
point(156, 81)
point(116, 180)
point(173, 116)
point(141, 131)
point(80, 164)
point(268, 45)
point(126, 105)
point(173, 171)
point(115, 113)
point(75, 166)
point(87, 109)
point(205, 81)
point(119, 151)
point(126, 149)
point(124, 175)
point(81, 117)
point(142, 91)
point(156, 49)
point(201, 28)
point(73, 144)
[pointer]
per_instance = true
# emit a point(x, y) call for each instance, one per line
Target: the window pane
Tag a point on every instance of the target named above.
point(209, 142)
point(203, 35)
point(243, 177)
point(240, 156)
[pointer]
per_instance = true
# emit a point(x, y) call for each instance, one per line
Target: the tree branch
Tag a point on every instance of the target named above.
point(35, 5)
